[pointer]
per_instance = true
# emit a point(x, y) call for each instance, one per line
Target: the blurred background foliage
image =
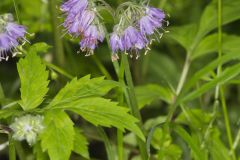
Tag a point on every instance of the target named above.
point(202, 131)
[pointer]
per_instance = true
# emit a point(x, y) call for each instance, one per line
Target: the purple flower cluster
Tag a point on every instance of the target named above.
point(10, 36)
point(135, 38)
point(82, 21)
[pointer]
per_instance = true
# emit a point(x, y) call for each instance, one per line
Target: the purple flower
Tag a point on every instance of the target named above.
point(15, 30)
point(10, 35)
point(78, 24)
point(74, 6)
point(82, 20)
point(132, 39)
point(151, 21)
point(116, 43)
point(91, 37)
point(155, 13)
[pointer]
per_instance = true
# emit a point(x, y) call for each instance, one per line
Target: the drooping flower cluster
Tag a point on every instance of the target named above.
point(82, 21)
point(138, 35)
point(11, 35)
point(27, 128)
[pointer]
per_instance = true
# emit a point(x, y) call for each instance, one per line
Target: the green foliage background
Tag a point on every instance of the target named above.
point(199, 129)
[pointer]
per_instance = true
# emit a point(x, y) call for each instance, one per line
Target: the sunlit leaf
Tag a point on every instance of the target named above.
point(34, 81)
point(83, 88)
point(80, 144)
point(100, 111)
point(58, 136)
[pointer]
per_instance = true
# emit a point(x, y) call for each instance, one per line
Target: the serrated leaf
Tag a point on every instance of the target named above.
point(209, 45)
point(58, 136)
point(80, 144)
point(82, 88)
point(152, 92)
point(33, 76)
point(100, 111)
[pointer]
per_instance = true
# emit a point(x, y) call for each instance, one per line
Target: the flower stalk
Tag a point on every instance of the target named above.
point(58, 45)
point(133, 104)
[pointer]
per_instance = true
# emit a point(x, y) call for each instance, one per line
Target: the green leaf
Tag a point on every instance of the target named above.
point(83, 88)
point(196, 149)
point(209, 45)
point(100, 111)
point(215, 145)
point(225, 76)
point(171, 152)
point(196, 118)
point(8, 112)
point(208, 21)
point(152, 92)
point(39, 47)
point(209, 68)
point(169, 72)
point(33, 76)
point(58, 136)
point(184, 35)
point(39, 154)
point(80, 144)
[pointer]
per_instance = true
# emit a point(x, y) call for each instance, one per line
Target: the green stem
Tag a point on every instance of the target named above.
point(227, 123)
point(101, 67)
point(184, 74)
point(130, 96)
point(58, 45)
point(181, 83)
point(16, 10)
point(20, 151)
point(106, 143)
point(134, 105)
point(58, 69)
point(220, 89)
point(12, 152)
point(120, 144)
